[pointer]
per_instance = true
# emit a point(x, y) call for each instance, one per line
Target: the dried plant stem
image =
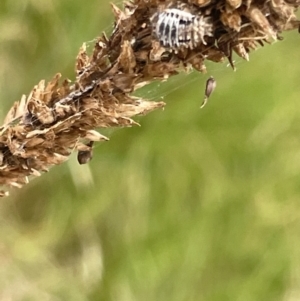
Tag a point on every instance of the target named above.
point(42, 129)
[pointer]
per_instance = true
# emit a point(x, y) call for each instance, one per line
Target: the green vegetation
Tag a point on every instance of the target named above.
point(194, 205)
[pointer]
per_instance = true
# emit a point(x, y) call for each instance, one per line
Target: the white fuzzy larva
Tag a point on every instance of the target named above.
point(175, 28)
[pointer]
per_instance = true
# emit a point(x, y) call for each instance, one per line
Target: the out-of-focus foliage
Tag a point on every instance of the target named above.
point(194, 205)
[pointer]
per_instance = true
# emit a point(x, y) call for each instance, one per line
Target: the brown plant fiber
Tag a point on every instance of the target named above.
point(58, 117)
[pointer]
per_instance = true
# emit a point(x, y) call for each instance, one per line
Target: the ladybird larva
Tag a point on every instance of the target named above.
point(175, 28)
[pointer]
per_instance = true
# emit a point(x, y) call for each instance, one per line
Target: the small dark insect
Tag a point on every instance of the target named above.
point(210, 87)
point(175, 28)
point(85, 156)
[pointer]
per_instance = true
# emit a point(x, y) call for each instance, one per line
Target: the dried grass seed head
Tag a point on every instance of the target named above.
point(57, 118)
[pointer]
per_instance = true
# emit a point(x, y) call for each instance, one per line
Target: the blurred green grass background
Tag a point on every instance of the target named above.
point(194, 205)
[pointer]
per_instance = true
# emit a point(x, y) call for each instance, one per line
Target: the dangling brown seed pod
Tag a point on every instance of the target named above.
point(210, 87)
